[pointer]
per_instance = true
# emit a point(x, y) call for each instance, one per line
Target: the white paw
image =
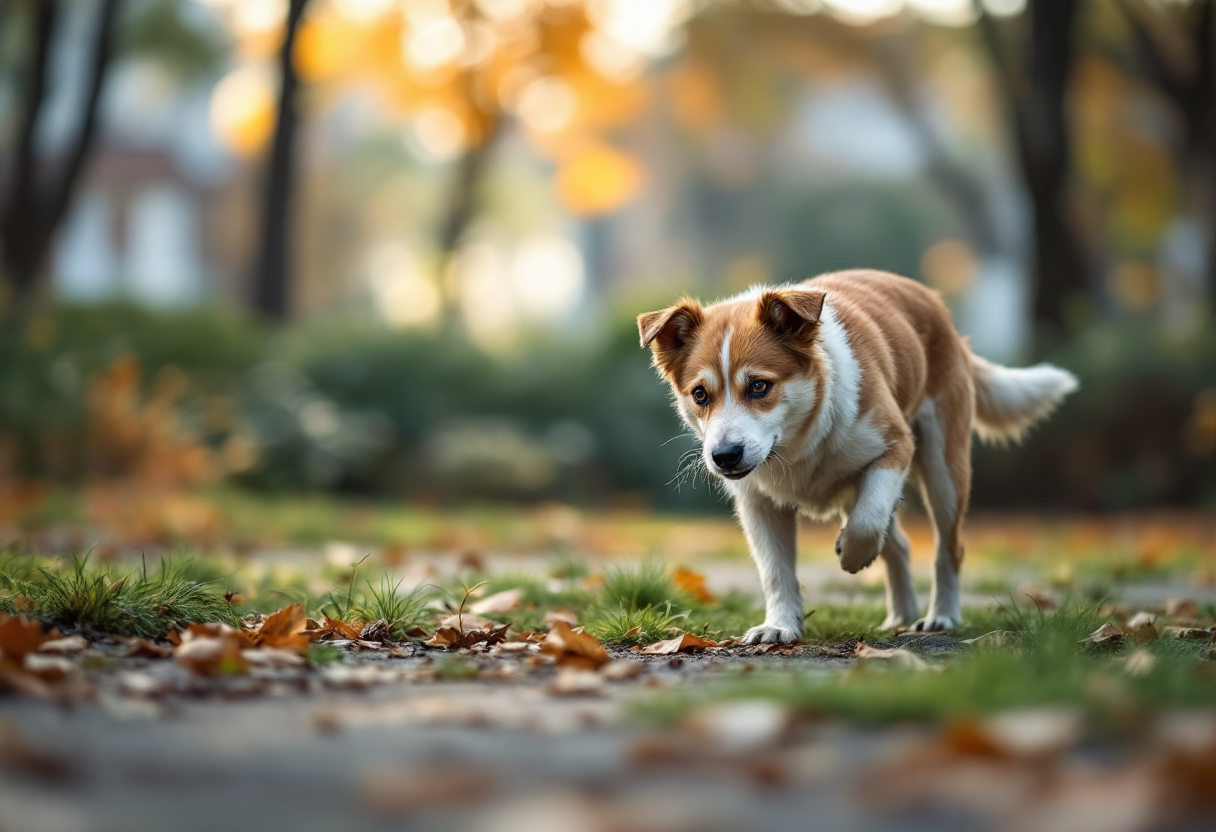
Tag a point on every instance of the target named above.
point(936, 623)
point(857, 549)
point(772, 634)
point(894, 621)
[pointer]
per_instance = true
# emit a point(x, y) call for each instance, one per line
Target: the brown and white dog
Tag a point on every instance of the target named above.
point(824, 398)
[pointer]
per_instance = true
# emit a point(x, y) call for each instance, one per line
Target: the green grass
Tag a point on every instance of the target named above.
point(143, 603)
point(616, 626)
point(1044, 663)
point(403, 612)
point(636, 587)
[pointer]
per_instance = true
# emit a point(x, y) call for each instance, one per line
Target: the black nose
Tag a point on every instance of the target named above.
point(728, 457)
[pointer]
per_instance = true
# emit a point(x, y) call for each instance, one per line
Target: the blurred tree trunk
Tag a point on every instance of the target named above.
point(272, 277)
point(1189, 82)
point(1034, 92)
point(31, 214)
point(462, 207)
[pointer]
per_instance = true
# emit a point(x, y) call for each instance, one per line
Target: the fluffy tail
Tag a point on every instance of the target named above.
point(1009, 401)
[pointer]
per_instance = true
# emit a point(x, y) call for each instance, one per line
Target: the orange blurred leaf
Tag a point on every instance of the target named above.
point(694, 584)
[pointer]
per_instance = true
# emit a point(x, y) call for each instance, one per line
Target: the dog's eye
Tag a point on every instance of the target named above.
point(758, 389)
point(700, 396)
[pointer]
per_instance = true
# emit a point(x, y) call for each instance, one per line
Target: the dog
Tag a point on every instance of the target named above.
point(825, 398)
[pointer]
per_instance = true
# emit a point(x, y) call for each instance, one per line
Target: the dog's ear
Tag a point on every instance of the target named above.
point(793, 313)
point(668, 331)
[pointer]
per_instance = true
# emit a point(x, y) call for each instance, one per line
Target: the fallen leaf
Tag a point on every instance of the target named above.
point(500, 603)
point(381, 630)
point(1108, 635)
point(684, 643)
point(571, 649)
point(334, 626)
point(284, 629)
point(212, 655)
point(1144, 633)
point(49, 668)
point(693, 583)
point(898, 655)
point(1141, 618)
point(18, 636)
point(467, 621)
point(450, 638)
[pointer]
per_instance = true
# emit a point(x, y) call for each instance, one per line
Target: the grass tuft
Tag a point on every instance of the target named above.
point(616, 626)
point(403, 612)
point(638, 587)
point(138, 603)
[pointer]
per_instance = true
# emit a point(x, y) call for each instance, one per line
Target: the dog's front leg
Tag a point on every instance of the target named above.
point(878, 495)
point(771, 532)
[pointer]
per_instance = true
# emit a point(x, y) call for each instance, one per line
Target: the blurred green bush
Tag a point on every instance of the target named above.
point(348, 407)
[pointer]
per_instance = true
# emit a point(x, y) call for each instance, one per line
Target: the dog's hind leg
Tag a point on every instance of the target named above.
point(944, 466)
point(901, 596)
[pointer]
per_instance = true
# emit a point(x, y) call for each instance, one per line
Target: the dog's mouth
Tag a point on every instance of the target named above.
point(736, 475)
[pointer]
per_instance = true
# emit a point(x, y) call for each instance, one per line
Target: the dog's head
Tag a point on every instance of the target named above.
point(744, 372)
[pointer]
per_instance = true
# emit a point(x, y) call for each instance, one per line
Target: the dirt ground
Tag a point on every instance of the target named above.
point(371, 746)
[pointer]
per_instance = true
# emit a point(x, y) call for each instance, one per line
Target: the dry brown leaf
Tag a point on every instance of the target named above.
point(1144, 633)
point(898, 655)
point(500, 603)
point(18, 636)
point(1141, 618)
point(380, 630)
point(572, 649)
point(694, 584)
point(467, 621)
point(1108, 635)
point(51, 669)
point(684, 643)
point(334, 626)
point(213, 630)
point(284, 629)
point(212, 656)
point(450, 638)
